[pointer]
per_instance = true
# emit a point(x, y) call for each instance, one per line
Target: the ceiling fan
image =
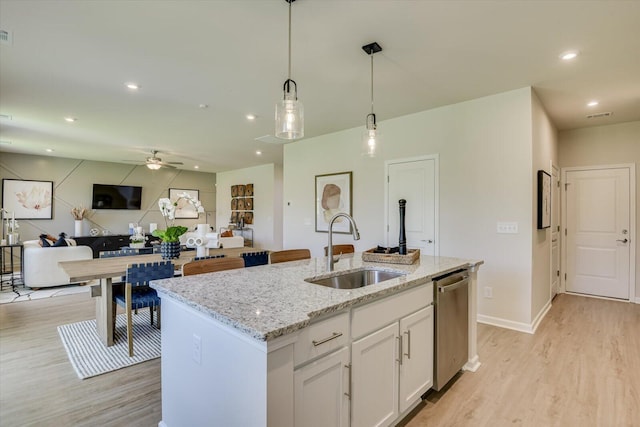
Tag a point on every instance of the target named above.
point(154, 162)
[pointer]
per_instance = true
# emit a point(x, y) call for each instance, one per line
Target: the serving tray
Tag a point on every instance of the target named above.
point(409, 258)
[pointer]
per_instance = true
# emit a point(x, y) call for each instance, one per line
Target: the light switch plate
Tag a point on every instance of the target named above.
point(508, 228)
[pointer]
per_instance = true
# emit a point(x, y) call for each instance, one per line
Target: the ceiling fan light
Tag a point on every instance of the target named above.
point(154, 166)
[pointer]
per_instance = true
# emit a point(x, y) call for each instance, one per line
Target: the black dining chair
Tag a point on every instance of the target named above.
point(136, 293)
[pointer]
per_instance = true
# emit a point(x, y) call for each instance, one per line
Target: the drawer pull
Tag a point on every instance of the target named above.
point(322, 341)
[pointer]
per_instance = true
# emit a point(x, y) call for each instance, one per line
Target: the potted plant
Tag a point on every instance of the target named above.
point(170, 236)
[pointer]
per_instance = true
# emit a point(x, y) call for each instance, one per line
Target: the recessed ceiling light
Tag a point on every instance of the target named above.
point(203, 106)
point(196, 167)
point(592, 103)
point(569, 55)
point(70, 119)
point(133, 86)
point(258, 153)
point(250, 117)
point(49, 150)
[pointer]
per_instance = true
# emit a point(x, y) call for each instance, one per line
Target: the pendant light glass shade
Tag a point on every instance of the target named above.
point(371, 138)
point(289, 111)
point(289, 114)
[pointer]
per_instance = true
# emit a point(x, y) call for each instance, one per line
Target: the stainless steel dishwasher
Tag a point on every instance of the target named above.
point(451, 335)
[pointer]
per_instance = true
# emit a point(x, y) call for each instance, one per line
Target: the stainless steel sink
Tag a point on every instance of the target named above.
point(356, 279)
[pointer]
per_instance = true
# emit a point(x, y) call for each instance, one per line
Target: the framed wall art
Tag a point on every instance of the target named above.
point(544, 200)
point(333, 195)
point(28, 199)
point(184, 208)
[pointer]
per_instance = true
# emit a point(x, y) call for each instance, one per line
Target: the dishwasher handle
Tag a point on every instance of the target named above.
point(453, 286)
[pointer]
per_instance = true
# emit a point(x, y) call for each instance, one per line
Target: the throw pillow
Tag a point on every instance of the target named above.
point(44, 241)
point(61, 241)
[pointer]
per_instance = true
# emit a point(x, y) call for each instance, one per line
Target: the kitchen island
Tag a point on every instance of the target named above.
point(261, 346)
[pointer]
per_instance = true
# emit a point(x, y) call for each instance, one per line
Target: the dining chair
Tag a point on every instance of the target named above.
point(211, 264)
point(251, 259)
point(289, 255)
point(340, 249)
point(137, 294)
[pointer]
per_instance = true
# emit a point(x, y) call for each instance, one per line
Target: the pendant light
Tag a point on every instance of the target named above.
point(371, 136)
point(289, 111)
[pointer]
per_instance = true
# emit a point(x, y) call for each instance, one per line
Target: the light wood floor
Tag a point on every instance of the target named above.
point(581, 368)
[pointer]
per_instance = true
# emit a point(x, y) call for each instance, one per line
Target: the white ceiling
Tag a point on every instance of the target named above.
point(72, 58)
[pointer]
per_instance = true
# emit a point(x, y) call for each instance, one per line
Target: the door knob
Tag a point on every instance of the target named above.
point(623, 241)
point(428, 241)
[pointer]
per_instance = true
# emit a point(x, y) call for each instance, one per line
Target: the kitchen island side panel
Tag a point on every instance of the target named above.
point(225, 384)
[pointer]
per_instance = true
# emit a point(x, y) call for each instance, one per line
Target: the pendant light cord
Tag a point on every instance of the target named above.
point(371, 83)
point(289, 76)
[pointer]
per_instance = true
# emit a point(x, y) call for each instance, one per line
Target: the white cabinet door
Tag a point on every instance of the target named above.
point(416, 369)
point(321, 391)
point(375, 378)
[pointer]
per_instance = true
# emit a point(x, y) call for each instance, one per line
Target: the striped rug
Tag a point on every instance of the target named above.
point(89, 357)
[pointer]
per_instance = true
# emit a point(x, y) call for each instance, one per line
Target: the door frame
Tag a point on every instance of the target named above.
point(436, 202)
point(632, 223)
point(556, 168)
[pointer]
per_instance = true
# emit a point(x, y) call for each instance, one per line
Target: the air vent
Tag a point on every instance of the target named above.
point(597, 115)
point(6, 37)
point(271, 139)
point(5, 117)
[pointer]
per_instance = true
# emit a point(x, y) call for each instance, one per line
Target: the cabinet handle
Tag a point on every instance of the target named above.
point(349, 368)
point(399, 348)
point(408, 353)
point(322, 341)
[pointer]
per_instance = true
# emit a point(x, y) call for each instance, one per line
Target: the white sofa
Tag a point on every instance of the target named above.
point(41, 264)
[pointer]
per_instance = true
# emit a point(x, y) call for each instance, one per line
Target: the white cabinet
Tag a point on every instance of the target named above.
point(392, 368)
point(321, 391)
point(416, 369)
point(375, 378)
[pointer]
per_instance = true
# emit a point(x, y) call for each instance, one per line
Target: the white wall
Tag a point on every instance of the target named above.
point(545, 150)
point(73, 181)
point(601, 145)
point(267, 202)
point(485, 148)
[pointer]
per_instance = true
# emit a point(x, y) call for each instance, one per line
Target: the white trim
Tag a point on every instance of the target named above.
point(529, 328)
point(632, 223)
point(436, 195)
point(473, 364)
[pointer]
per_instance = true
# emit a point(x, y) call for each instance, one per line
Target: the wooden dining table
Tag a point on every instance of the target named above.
point(104, 269)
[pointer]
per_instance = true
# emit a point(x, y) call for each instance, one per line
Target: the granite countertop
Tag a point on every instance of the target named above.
point(272, 300)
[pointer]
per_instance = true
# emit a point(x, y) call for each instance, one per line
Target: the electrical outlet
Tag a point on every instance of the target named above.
point(197, 349)
point(507, 227)
point(488, 292)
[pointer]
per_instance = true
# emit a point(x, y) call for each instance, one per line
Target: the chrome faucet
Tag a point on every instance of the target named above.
point(356, 236)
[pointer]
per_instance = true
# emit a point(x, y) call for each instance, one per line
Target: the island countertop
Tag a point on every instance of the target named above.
point(268, 301)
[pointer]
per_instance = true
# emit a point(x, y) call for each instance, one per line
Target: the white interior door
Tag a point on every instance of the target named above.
point(414, 180)
point(555, 230)
point(598, 231)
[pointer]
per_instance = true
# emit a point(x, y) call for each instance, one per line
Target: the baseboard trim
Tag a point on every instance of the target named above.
point(472, 364)
point(540, 316)
point(504, 323)
point(637, 300)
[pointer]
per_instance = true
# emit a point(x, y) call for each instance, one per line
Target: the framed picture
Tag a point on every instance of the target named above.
point(184, 208)
point(28, 199)
point(333, 195)
point(544, 200)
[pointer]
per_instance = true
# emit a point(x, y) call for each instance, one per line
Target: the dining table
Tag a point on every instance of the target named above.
point(105, 269)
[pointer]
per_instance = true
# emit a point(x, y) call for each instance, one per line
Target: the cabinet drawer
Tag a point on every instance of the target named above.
point(321, 338)
point(377, 314)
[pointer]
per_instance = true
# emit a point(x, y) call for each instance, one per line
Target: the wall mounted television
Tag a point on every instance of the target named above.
point(107, 196)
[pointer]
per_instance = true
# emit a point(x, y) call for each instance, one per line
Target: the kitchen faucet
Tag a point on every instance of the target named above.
point(356, 236)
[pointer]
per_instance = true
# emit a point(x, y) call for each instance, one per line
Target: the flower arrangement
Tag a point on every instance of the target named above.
point(138, 238)
point(173, 232)
point(79, 213)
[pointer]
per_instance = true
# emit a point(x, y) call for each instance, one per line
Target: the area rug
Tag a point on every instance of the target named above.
point(21, 293)
point(89, 357)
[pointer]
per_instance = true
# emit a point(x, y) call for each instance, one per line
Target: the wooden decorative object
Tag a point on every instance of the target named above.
point(248, 203)
point(234, 191)
point(241, 204)
point(234, 204)
point(248, 217)
point(240, 190)
point(248, 190)
point(409, 258)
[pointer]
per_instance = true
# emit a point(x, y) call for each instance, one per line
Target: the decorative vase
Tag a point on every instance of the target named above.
point(77, 228)
point(138, 245)
point(170, 250)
